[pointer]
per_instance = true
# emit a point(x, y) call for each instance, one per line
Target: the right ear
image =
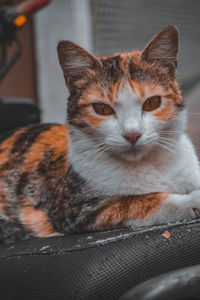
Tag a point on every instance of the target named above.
point(77, 64)
point(163, 49)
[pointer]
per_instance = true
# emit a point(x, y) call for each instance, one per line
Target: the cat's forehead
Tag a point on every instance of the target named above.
point(125, 75)
point(135, 90)
point(121, 92)
point(124, 79)
point(128, 65)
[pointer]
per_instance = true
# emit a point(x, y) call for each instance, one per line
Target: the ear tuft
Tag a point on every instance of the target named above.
point(163, 48)
point(76, 62)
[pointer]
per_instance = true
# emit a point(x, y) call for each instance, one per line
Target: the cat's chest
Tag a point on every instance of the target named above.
point(139, 180)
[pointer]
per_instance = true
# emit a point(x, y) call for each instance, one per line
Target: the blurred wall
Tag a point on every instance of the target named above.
point(61, 20)
point(126, 25)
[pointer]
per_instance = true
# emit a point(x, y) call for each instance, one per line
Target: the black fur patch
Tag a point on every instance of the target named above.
point(112, 68)
point(27, 138)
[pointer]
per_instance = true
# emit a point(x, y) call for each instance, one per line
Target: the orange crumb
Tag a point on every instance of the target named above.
point(167, 234)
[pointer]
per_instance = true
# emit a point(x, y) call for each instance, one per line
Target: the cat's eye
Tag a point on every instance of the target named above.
point(103, 109)
point(151, 103)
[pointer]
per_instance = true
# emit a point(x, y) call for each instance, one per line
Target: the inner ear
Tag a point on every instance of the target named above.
point(77, 63)
point(163, 48)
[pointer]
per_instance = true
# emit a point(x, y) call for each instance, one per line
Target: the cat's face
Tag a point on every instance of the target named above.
point(125, 104)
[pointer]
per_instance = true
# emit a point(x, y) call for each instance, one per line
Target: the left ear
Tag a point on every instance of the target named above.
point(77, 63)
point(163, 48)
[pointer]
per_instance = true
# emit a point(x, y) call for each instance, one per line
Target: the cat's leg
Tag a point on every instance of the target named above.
point(35, 220)
point(148, 209)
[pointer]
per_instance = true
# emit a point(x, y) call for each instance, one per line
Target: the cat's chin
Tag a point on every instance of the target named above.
point(133, 154)
point(130, 157)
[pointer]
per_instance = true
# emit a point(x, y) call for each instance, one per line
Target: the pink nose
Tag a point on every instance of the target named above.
point(132, 137)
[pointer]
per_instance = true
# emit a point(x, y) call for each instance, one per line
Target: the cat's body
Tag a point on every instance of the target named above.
point(123, 159)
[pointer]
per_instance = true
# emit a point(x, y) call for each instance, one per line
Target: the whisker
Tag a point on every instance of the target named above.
point(166, 147)
point(172, 142)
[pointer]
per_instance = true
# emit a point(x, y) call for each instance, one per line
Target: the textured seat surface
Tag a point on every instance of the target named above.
point(179, 284)
point(95, 266)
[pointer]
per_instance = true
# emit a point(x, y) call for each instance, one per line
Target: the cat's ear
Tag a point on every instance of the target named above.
point(77, 63)
point(163, 49)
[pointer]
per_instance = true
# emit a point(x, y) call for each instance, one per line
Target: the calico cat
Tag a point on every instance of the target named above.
point(123, 159)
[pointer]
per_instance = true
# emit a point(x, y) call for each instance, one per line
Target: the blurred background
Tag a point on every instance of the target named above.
point(102, 26)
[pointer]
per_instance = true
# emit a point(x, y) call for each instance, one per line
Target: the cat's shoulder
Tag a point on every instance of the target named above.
point(33, 143)
point(33, 134)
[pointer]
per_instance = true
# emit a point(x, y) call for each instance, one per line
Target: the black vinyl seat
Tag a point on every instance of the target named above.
point(96, 265)
point(179, 284)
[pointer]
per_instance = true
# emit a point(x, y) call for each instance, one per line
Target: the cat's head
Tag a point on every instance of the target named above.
point(127, 103)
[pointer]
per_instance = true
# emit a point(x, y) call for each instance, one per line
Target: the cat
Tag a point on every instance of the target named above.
point(124, 158)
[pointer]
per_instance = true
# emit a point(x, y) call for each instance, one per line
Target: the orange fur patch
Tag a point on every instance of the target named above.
point(139, 207)
point(171, 96)
point(166, 112)
point(92, 94)
point(36, 220)
point(94, 121)
point(138, 88)
point(55, 138)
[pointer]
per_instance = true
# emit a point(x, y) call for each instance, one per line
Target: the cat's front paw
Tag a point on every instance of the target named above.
point(195, 203)
point(182, 207)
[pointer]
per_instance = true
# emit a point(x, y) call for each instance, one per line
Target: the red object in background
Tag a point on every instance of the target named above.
point(30, 6)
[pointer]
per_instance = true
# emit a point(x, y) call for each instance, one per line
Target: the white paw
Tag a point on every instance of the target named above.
point(194, 203)
point(182, 207)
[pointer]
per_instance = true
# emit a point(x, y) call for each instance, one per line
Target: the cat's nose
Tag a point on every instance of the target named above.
point(132, 137)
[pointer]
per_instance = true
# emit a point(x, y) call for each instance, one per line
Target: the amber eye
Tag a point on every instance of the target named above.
point(103, 109)
point(151, 103)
